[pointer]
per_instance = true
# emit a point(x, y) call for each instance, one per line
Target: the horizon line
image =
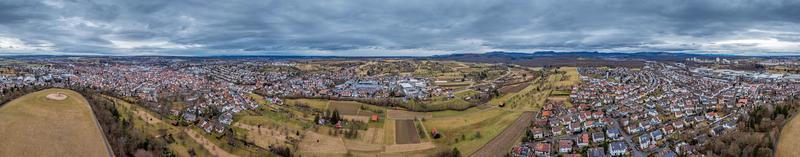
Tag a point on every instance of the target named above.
point(781, 54)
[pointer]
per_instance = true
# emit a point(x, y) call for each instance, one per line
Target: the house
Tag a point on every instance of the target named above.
point(617, 149)
point(598, 137)
point(717, 130)
point(644, 141)
point(678, 124)
point(542, 149)
point(537, 133)
point(374, 118)
point(595, 152)
point(557, 131)
point(614, 134)
point(564, 146)
point(598, 114)
point(666, 153)
point(589, 124)
point(583, 140)
point(633, 129)
point(729, 125)
point(547, 113)
point(575, 127)
point(657, 135)
point(712, 116)
point(669, 129)
point(206, 126)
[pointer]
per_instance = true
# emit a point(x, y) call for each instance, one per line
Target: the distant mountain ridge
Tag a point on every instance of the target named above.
point(551, 58)
point(634, 55)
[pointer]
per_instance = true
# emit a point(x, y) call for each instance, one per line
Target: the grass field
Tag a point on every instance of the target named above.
point(389, 132)
point(313, 103)
point(789, 139)
point(347, 107)
point(568, 79)
point(35, 126)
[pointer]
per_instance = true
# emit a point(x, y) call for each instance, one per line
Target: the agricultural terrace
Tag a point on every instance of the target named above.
point(39, 126)
point(142, 119)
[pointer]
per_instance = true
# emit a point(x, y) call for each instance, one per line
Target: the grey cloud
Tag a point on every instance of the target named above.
point(357, 27)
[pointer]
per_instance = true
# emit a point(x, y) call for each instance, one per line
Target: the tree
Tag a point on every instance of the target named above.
point(763, 151)
point(335, 117)
point(456, 153)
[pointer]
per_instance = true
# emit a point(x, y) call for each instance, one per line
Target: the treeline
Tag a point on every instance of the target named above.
point(8, 94)
point(125, 139)
point(756, 133)
point(411, 105)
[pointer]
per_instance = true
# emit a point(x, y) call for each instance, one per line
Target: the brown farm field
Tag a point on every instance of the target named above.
point(42, 127)
point(346, 107)
point(406, 132)
point(513, 88)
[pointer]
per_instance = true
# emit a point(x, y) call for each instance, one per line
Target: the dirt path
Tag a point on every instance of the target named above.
point(500, 145)
point(208, 145)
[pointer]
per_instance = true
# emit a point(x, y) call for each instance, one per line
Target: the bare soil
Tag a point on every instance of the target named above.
point(406, 132)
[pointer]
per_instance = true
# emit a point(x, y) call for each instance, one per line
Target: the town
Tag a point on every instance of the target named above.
point(393, 107)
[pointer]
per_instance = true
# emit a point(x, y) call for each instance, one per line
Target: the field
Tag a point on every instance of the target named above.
point(313, 103)
point(318, 144)
point(266, 136)
point(500, 145)
point(346, 107)
point(528, 99)
point(152, 126)
point(471, 129)
point(513, 88)
point(389, 131)
point(406, 132)
point(400, 114)
point(566, 80)
point(42, 127)
point(789, 139)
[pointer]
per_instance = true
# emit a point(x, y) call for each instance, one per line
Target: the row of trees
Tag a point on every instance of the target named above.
point(125, 139)
point(756, 134)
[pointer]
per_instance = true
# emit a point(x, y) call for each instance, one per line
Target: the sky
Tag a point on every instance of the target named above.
point(396, 27)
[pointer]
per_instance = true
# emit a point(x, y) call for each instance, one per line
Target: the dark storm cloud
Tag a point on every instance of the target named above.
point(396, 27)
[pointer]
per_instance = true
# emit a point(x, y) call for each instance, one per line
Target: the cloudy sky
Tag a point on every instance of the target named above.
point(402, 27)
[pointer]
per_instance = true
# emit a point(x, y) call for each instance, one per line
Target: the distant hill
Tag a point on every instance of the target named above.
point(550, 58)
